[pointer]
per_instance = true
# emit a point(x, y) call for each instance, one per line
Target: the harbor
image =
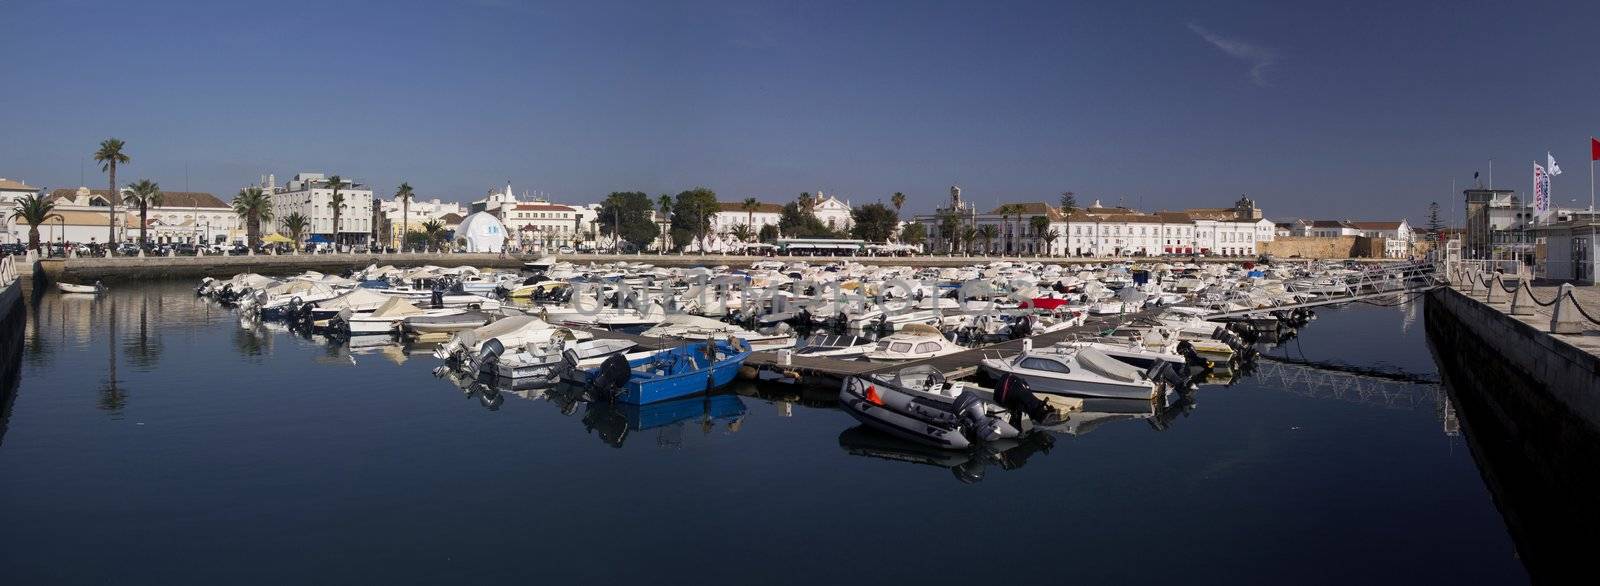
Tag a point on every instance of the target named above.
point(1303, 385)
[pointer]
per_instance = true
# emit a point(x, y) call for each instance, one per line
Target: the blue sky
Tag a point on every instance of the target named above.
point(1362, 110)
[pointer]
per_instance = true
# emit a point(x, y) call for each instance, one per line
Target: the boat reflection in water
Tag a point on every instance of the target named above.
point(969, 465)
point(613, 422)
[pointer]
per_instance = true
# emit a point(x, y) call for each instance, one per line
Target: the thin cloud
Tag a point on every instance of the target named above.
point(1259, 57)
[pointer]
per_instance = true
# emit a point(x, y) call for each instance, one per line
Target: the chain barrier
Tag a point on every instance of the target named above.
point(1581, 312)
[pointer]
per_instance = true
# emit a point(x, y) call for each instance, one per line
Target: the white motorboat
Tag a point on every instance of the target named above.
point(913, 342)
point(835, 346)
point(386, 318)
point(690, 327)
point(548, 360)
point(71, 288)
point(1078, 372)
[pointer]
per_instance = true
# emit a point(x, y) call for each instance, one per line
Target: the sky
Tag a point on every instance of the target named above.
point(1334, 110)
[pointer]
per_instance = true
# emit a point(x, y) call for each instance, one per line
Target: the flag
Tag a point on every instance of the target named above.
point(1594, 149)
point(1541, 191)
point(1554, 168)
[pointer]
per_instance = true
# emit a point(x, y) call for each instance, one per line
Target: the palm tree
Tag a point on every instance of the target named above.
point(1039, 224)
point(897, 200)
point(109, 156)
point(1005, 217)
point(988, 232)
point(337, 201)
point(968, 235)
point(433, 230)
point(253, 206)
point(806, 201)
point(34, 210)
point(664, 203)
point(296, 223)
point(1050, 238)
point(145, 194)
point(744, 232)
point(750, 206)
point(404, 194)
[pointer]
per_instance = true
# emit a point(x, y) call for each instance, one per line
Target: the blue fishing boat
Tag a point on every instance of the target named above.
point(672, 373)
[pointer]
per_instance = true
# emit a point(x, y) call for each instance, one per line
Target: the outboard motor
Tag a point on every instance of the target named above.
point(304, 317)
point(438, 298)
point(1013, 394)
point(488, 355)
point(1190, 356)
point(974, 419)
point(608, 380)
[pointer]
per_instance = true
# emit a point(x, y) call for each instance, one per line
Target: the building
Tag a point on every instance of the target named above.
point(1572, 248)
point(1327, 229)
point(1497, 226)
point(10, 191)
point(832, 211)
point(539, 225)
point(183, 217)
point(1098, 230)
point(1398, 237)
point(412, 217)
point(311, 195)
point(733, 214)
point(481, 232)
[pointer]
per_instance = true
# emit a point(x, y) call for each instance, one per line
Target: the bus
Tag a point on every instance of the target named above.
point(820, 246)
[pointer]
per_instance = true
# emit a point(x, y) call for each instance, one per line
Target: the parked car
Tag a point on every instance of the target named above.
point(565, 250)
point(16, 249)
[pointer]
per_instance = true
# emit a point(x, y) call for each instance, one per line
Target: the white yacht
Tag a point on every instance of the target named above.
point(1075, 371)
point(913, 342)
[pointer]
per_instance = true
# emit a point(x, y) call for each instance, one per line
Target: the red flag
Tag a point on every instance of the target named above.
point(1594, 149)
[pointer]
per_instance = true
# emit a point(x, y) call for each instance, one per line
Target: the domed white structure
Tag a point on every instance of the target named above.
point(483, 233)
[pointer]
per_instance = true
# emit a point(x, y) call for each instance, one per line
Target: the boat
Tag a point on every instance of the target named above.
point(667, 374)
point(913, 342)
point(539, 266)
point(612, 422)
point(846, 346)
point(1078, 372)
point(917, 404)
point(71, 288)
point(545, 361)
point(968, 466)
point(691, 327)
point(386, 318)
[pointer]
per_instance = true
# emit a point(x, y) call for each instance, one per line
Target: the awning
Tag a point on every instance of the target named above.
point(319, 239)
point(276, 239)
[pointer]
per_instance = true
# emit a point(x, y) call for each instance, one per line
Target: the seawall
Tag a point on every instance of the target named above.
point(1529, 404)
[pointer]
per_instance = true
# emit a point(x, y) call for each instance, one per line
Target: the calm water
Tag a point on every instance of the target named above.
point(152, 439)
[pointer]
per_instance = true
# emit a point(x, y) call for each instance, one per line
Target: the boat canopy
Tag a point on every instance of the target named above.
point(396, 307)
point(1106, 366)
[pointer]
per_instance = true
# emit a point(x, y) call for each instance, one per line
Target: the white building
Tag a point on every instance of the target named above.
point(183, 216)
point(537, 226)
point(732, 214)
point(311, 195)
point(10, 191)
point(397, 217)
point(832, 211)
point(1397, 236)
point(481, 232)
point(1102, 231)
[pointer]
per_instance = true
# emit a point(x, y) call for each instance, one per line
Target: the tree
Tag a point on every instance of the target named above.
point(950, 229)
point(296, 223)
point(1039, 224)
point(798, 221)
point(1050, 238)
point(337, 201)
point(145, 194)
point(1006, 211)
point(1069, 202)
point(34, 210)
point(914, 234)
point(664, 205)
point(768, 233)
point(254, 206)
point(898, 200)
point(750, 206)
point(1435, 225)
point(109, 156)
point(404, 194)
point(969, 235)
point(744, 232)
point(433, 231)
point(807, 201)
point(625, 216)
point(874, 222)
point(692, 211)
point(988, 232)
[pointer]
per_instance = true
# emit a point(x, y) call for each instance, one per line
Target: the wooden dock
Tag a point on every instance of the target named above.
point(960, 365)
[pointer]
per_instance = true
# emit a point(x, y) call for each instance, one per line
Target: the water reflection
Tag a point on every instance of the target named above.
point(968, 466)
point(12, 334)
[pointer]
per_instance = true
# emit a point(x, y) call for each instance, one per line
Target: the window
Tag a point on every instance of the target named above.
point(901, 347)
point(1044, 364)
